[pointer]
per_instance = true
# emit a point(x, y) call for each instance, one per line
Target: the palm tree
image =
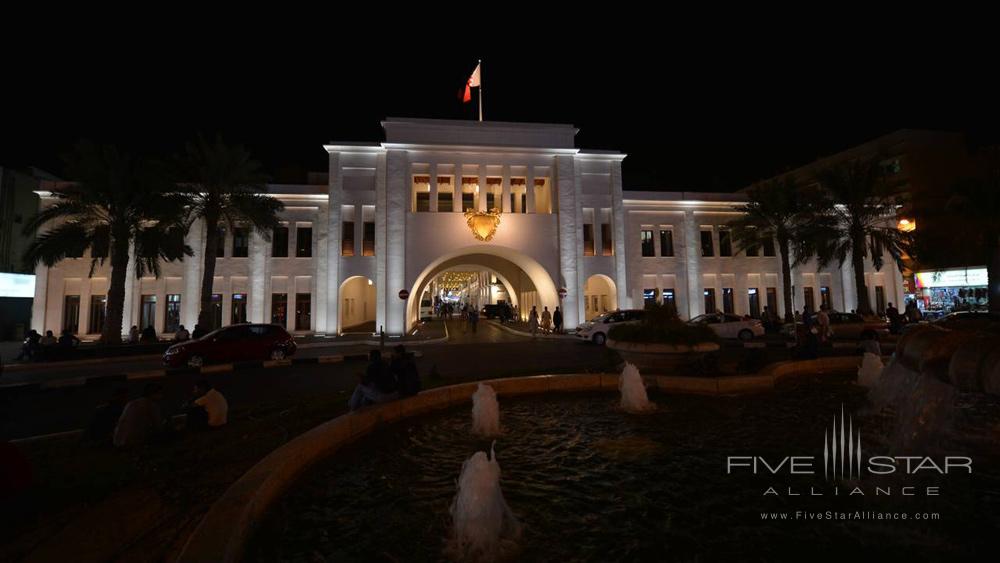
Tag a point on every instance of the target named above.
point(860, 221)
point(776, 211)
point(116, 202)
point(225, 186)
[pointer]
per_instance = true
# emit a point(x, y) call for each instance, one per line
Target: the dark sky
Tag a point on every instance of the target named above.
point(689, 118)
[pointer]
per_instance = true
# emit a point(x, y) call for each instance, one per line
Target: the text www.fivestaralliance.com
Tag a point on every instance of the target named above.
point(857, 515)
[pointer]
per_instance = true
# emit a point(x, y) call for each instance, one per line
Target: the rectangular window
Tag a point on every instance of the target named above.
point(423, 202)
point(445, 202)
point(880, 299)
point(147, 312)
point(241, 242)
point(491, 200)
point(368, 243)
point(172, 321)
point(727, 301)
point(710, 300)
point(666, 242)
point(824, 297)
point(707, 248)
point(808, 299)
point(71, 313)
point(303, 311)
point(648, 297)
point(468, 201)
point(669, 299)
point(217, 310)
point(220, 243)
point(239, 314)
point(607, 243)
point(303, 242)
point(588, 240)
point(754, 299)
point(98, 308)
point(768, 247)
point(279, 242)
point(646, 237)
point(347, 238)
point(279, 309)
point(725, 243)
point(772, 301)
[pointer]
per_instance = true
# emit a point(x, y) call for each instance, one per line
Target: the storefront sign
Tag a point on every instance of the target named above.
point(970, 277)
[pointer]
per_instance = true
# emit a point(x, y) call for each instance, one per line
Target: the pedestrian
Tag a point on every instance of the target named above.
point(474, 319)
point(823, 324)
point(546, 320)
point(182, 334)
point(404, 369)
point(133, 335)
point(148, 335)
point(48, 341)
point(557, 320)
point(68, 340)
point(198, 332)
point(895, 319)
point(209, 408)
point(376, 385)
point(533, 320)
point(141, 421)
point(29, 348)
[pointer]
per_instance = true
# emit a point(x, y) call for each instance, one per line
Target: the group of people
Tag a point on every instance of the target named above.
point(383, 382)
point(141, 421)
point(547, 322)
point(48, 347)
point(470, 316)
point(911, 314)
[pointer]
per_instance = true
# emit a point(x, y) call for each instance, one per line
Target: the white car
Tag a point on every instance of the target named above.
point(596, 329)
point(730, 326)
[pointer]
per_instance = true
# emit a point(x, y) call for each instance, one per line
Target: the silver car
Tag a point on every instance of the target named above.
point(596, 329)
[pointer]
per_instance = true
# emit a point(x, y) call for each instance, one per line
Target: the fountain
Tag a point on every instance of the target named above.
point(483, 527)
point(485, 411)
point(634, 398)
point(870, 370)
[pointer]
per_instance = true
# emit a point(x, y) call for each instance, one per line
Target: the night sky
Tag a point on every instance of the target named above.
point(689, 119)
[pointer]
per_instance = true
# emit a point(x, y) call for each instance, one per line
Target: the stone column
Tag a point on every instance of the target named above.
point(330, 258)
point(320, 276)
point(381, 283)
point(128, 311)
point(397, 165)
point(505, 195)
point(569, 243)
point(456, 198)
point(256, 284)
point(618, 235)
point(191, 300)
point(692, 266)
point(529, 189)
point(39, 305)
point(434, 187)
point(850, 296)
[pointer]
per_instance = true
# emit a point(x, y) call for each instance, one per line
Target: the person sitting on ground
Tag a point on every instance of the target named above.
point(133, 335)
point(209, 409)
point(199, 331)
point(68, 340)
point(48, 340)
point(404, 369)
point(377, 385)
point(102, 425)
point(182, 334)
point(148, 335)
point(30, 346)
point(141, 421)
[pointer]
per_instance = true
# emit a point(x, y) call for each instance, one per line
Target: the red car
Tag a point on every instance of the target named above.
point(233, 343)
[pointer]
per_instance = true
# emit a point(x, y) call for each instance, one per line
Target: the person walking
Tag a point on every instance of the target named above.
point(823, 322)
point(557, 320)
point(546, 320)
point(533, 321)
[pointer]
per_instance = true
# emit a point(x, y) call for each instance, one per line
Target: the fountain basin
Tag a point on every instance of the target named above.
point(660, 358)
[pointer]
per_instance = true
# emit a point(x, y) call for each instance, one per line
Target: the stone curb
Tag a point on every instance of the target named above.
point(223, 533)
point(528, 334)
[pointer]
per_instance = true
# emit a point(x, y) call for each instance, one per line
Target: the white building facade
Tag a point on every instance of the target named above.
point(364, 248)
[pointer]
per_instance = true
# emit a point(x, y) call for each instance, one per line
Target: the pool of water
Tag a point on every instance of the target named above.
point(589, 482)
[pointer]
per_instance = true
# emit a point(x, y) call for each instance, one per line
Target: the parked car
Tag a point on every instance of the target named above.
point(426, 310)
point(970, 320)
point(730, 326)
point(847, 326)
point(596, 329)
point(490, 311)
point(233, 343)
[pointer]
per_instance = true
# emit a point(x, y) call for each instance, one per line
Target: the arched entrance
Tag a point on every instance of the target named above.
point(525, 280)
point(599, 296)
point(357, 305)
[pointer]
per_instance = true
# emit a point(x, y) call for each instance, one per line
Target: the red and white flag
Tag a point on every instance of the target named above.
point(473, 82)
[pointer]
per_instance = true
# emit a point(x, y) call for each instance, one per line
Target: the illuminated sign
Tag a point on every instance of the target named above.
point(17, 285)
point(970, 277)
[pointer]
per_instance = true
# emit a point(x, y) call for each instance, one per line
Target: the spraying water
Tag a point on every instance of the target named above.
point(870, 370)
point(485, 411)
point(634, 398)
point(483, 527)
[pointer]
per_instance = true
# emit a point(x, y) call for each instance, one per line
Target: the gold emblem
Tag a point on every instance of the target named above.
point(483, 225)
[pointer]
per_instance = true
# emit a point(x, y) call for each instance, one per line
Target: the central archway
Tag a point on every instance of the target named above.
point(509, 265)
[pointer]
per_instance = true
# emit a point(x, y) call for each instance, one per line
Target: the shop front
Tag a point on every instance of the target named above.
point(944, 291)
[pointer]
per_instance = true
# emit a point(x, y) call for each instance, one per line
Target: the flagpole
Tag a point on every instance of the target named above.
point(480, 89)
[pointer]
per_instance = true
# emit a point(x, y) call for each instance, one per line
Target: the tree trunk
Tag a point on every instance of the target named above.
point(993, 273)
point(111, 332)
point(858, 262)
point(786, 280)
point(206, 318)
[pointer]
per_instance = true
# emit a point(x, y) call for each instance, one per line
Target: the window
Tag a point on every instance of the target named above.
point(710, 300)
point(303, 242)
point(727, 301)
point(588, 240)
point(754, 299)
point(147, 312)
point(239, 314)
point(607, 243)
point(71, 313)
point(445, 201)
point(468, 201)
point(216, 310)
point(241, 242)
point(220, 243)
point(98, 309)
point(347, 238)
point(279, 309)
point(423, 202)
point(279, 242)
point(648, 297)
point(880, 299)
point(647, 243)
point(707, 248)
point(669, 300)
point(368, 242)
point(772, 301)
point(666, 242)
point(808, 298)
point(824, 297)
point(303, 311)
point(173, 317)
point(543, 195)
point(725, 243)
point(768, 247)
point(491, 202)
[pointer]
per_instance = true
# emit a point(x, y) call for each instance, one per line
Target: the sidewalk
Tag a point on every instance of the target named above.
point(520, 328)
